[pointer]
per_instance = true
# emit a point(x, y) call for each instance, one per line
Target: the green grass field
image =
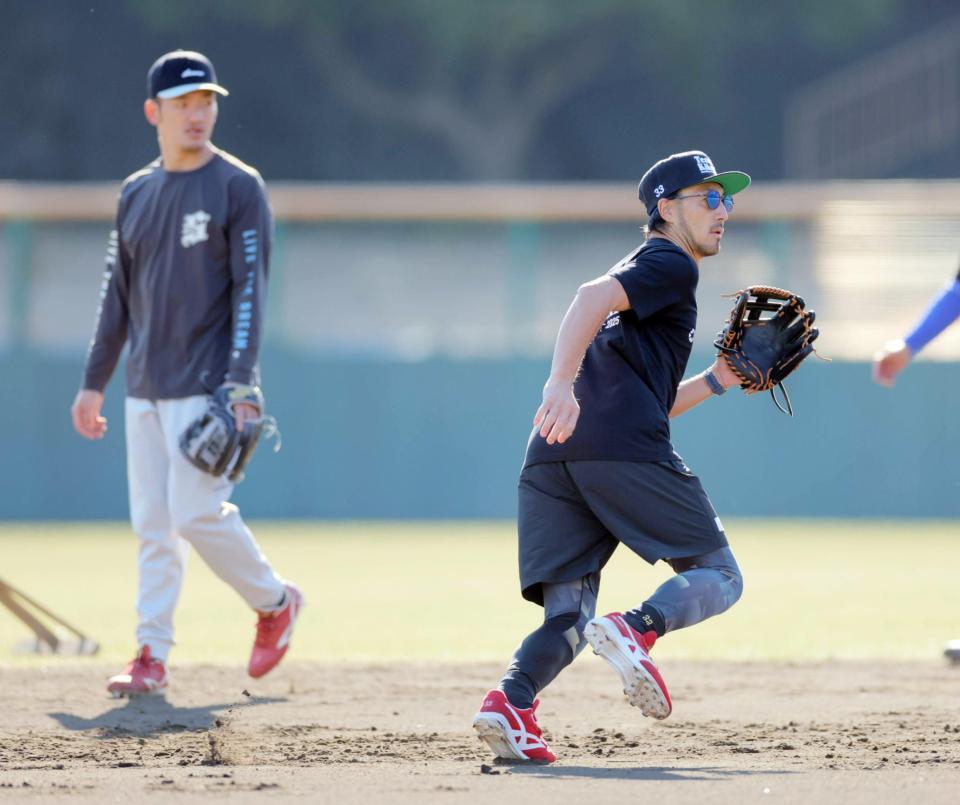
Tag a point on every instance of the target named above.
point(448, 591)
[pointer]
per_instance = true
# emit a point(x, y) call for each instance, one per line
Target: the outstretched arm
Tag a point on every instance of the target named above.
point(894, 356)
point(558, 413)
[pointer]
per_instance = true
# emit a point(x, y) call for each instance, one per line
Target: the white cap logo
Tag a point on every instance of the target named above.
point(705, 165)
point(658, 190)
point(190, 72)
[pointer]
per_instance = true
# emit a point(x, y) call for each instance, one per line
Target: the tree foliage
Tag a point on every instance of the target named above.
point(434, 89)
point(482, 78)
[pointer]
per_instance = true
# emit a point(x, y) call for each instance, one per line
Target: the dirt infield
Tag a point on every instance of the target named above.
point(831, 732)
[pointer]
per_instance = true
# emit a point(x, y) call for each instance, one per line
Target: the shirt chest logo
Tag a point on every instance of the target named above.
point(194, 229)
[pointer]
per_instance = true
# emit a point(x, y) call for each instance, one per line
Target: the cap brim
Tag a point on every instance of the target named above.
point(183, 89)
point(731, 181)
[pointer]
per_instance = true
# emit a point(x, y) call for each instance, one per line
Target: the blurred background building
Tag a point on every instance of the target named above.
point(444, 175)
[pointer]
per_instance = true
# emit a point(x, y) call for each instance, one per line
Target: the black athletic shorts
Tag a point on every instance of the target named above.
point(573, 514)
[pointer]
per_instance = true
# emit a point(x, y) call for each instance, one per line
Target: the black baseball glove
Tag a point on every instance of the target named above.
point(763, 350)
point(212, 442)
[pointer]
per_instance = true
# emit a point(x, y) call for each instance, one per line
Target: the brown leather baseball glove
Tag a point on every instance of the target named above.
point(767, 336)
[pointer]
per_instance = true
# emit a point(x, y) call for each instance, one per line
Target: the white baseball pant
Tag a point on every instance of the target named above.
point(174, 505)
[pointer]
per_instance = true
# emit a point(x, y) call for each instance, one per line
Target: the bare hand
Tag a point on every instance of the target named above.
point(85, 412)
point(890, 361)
point(558, 413)
point(245, 412)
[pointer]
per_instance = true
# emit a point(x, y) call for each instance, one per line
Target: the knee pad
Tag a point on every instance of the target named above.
point(560, 623)
point(568, 607)
point(736, 579)
point(570, 626)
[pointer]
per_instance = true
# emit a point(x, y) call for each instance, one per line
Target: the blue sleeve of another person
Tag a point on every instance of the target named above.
point(941, 313)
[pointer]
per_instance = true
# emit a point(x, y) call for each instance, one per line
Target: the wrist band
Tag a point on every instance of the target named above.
point(715, 385)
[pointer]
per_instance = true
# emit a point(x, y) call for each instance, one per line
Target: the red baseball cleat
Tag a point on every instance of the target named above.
point(273, 633)
point(142, 676)
point(627, 651)
point(510, 732)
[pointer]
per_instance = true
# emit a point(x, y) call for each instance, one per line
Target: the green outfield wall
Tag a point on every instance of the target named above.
point(445, 439)
point(409, 330)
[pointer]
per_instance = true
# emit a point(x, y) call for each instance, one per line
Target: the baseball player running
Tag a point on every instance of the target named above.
point(600, 469)
point(185, 286)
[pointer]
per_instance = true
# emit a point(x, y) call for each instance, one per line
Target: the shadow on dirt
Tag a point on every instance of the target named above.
point(154, 715)
point(652, 773)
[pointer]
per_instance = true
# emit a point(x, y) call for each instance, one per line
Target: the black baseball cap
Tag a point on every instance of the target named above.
point(179, 72)
point(678, 171)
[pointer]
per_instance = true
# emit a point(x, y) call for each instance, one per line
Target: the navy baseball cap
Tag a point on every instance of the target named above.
point(678, 171)
point(179, 72)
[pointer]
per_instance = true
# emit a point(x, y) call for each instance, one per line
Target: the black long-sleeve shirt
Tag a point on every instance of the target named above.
point(185, 280)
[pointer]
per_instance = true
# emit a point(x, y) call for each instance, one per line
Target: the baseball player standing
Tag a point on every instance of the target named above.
point(185, 286)
point(600, 469)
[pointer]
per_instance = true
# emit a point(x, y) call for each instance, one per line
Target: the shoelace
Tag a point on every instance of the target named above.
point(268, 627)
point(140, 663)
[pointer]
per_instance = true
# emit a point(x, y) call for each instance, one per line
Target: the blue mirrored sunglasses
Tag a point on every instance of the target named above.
point(713, 198)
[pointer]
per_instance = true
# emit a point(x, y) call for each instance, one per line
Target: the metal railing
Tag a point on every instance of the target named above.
point(548, 202)
point(878, 115)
